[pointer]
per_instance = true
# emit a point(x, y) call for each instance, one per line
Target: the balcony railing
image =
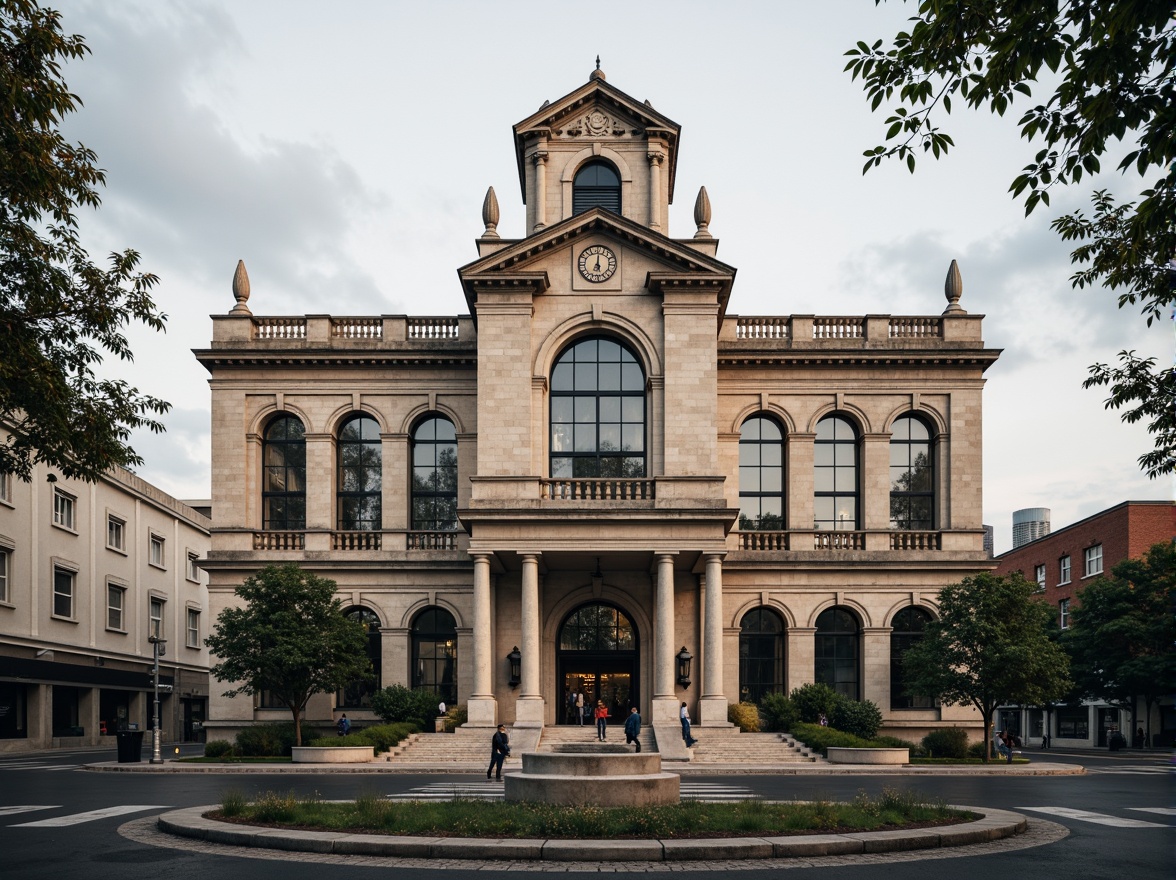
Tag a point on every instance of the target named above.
point(432, 540)
point(597, 490)
point(838, 540)
point(355, 540)
point(279, 540)
point(279, 328)
point(915, 541)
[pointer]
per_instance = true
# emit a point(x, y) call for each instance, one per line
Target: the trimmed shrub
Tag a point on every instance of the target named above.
point(859, 717)
point(266, 740)
point(812, 699)
point(397, 703)
point(976, 750)
point(380, 737)
point(456, 717)
point(947, 742)
point(778, 713)
point(745, 716)
point(893, 742)
point(820, 738)
point(218, 748)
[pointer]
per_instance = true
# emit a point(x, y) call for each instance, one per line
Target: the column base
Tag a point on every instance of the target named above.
point(665, 711)
point(529, 711)
point(712, 712)
point(481, 712)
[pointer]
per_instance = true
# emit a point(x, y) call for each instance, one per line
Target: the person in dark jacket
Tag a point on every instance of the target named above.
point(633, 728)
point(499, 749)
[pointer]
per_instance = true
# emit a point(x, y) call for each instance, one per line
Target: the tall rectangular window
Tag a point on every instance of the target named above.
point(5, 487)
point(1093, 558)
point(155, 551)
point(193, 628)
point(115, 600)
point(63, 592)
point(116, 534)
point(4, 575)
point(1064, 570)
point(1039, 575)
point(1064, 613)
point(155, 613)
point(193, 568)
point(63, 510)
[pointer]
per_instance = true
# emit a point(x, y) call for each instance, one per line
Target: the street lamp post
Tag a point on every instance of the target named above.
point(159, 648)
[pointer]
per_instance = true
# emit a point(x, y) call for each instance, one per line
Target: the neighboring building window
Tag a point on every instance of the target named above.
point(358, 694)
point(1073, 722)
point(597, 412)
point(835, 477)
point(596, 184)
point(912, 478)
point(193, 628)
point(434, 654)
point(434, 475)
point(116, 534)
point(155, 550)
point(360, 467)
point(906, 631)
point(761, 475)
point(116, 598)
point(283, 494)
point(155, 618)
point(64, 510)
point(193, 573)
point(1064, 613)
point(5, 487)
point(1093, 559)
point(1039, 576)
point(63, 592)
point(267, 699)
point(837, 651)
point(4, 554)
point(1064, 570)
point(761, 655)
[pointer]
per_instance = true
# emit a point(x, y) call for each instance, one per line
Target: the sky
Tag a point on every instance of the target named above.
point(343, 152)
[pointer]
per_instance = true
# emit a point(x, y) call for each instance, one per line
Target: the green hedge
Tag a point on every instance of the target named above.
point(745, 716)
point(778, 712)
point(381, 737)
point(218, 748)
point(261, 740)
point(397, 703)
point(821, 738)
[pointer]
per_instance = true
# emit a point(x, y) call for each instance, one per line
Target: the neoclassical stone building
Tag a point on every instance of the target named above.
point(601, 469)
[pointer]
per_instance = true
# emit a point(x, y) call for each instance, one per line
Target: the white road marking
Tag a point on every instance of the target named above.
point(1163, 811)
point(446, 791)
point(1095, 818)
point(1131, 769)
point(90, 816)
point(8, 811)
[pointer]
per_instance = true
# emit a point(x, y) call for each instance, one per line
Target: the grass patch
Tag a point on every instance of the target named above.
point(372, 813)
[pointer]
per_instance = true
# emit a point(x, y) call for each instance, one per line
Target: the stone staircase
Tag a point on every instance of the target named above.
point(461, 750)
point(729, 745)
point(567, 734)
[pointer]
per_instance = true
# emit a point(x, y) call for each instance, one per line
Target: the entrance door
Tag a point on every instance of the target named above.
point(1108, 719)
point(598, 658)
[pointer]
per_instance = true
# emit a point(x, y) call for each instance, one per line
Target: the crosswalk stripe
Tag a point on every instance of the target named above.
point(90, 816)
point(28, 808)
point(1131, 769)
point(1163, 811)
point(441, 791)
point(1095, 818)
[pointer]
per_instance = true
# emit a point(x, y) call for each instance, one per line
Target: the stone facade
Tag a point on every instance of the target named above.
point(638, 515)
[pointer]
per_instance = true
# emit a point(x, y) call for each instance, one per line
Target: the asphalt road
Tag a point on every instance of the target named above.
point(57, 820)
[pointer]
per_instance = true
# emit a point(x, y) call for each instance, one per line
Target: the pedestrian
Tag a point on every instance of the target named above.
point(822, 720)
point(1138, 744)
point(580, 707)
point(684, 717)
point(1045, 737)
point(499, 751)
point(1002, 750)
point(633, 728)
point(441, 708)
point(601, 715)
point(570, 704)
point(343, 725)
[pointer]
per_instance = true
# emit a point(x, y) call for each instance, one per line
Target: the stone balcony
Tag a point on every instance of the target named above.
point(314, 332)
point(814, 333)
point(395, 541)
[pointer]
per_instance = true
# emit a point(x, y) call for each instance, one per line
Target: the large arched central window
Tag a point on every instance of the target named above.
point(907, 629)
point(434, 476)
point(912, 477)
point(596, 184)
point(761, 655)
point(283, 491)
point(836, 661)
point(597, 411)
point(835, 500)
point(597, 628)
point(434, 654)
point(761, 475)
point(360, 459)
point(358, 694)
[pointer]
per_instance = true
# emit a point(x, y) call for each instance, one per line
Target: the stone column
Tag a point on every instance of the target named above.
point(665, 707)
point(656, 158)
point(712, 711)
point(481, 706)
point(529, 708)
point(540, 160)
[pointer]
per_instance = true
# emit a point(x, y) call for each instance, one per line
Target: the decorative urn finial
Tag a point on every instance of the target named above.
point(241, 290)
point(490, 214)
point(953, 288)
point(702, 214)
point(598, 73)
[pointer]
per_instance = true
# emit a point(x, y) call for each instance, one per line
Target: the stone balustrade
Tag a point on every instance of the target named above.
point(326, 331)
point(811, 539)
point(604, 489)
point(820, 331)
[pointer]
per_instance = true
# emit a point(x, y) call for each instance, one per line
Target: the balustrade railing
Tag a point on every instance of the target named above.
point(433, 328)
point(763, 540)
point(432, 540)
point(355, 540)
point(918, 327)
point(279, 328)
point(915, 541)
point(357, 328)
point(279, 541)
point(838, 328)
point(838, 540)
point(762, 328)
point(597, 490)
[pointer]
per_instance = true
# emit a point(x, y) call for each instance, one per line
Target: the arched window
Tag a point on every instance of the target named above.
point(837, 651)
point(283, 491)
point(906, 630)
point(597, 656)
point(597, 411)
point(597, 628)
point(761, 655)
point(358, 694)
point(596, 184)
point(360, 457)
point(761, 475)
point(434, 654)
point(434, 475)
point(912, 476)
point(835, 475)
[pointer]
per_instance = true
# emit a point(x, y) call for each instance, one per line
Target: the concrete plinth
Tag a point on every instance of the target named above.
point(844, 755)
point(593, 774)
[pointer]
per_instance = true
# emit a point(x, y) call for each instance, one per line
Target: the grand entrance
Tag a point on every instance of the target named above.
point(597, 657)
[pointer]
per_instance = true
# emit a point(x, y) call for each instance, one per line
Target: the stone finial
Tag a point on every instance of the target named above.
point(241, 290)
point(953, 289)
point(702, 214)
point(598, 73)
point(490, 214)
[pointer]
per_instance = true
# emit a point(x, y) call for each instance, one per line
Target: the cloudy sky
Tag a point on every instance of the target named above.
point(343, 151)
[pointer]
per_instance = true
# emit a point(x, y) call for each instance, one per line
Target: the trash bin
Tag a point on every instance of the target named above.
point(130, 746)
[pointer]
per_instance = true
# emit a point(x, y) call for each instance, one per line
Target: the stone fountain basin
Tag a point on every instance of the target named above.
point(600, 775)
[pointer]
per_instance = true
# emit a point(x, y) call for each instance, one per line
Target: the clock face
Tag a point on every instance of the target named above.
point(598, 263)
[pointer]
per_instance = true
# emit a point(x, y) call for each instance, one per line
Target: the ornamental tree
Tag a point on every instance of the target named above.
point(289, 638)
point(993, 644)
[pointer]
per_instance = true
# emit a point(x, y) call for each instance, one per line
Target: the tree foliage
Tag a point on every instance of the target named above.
point(1123, 628)
point(290, 638)
point(991, 645)
point(1113, 64)
point(59, 312)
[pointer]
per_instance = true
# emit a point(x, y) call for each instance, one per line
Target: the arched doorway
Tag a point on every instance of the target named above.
point(597, 655)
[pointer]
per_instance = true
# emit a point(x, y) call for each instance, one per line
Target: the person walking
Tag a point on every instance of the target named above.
point(499, 750)
point(601, 714)
point(633, 728)
point(344, 725)
point(684, 717)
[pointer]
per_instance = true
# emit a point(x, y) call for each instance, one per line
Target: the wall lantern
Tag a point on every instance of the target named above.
point(514, 658)
point(684, 658)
